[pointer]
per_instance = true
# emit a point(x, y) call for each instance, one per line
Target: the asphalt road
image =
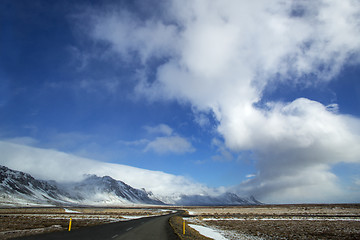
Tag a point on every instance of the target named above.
point(142, 229)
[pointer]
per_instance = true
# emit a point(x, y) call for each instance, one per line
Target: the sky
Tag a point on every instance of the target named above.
point(256, 97)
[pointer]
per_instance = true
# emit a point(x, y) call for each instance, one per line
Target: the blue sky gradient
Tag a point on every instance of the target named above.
point(91, 79)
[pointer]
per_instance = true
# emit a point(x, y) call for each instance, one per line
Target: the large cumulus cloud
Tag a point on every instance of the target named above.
point(220, 56)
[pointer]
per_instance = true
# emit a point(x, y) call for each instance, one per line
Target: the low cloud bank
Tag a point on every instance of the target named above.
point(296, 145)
point(62, 167)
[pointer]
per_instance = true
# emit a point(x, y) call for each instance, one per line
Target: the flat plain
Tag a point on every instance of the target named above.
point(17, 222)
point(320, 221)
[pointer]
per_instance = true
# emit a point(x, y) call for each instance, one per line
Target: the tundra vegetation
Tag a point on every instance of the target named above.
point(321, 221)
point(17, 222)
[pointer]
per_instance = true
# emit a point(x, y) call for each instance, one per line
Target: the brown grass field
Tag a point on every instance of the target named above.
point(16, 222)
point(333, 221)
point(339, 221)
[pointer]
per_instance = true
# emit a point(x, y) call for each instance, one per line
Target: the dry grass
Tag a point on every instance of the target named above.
point(341, 221)
point(267, 222)
point(16, 222)
point(285, 210)
point(293, 229)
point(27, 224)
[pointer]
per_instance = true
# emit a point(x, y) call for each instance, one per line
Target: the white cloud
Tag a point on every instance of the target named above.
point(159, 129)
point(170, 144)
point(116, 27)
point(315, 184)
point(223, 153)
point(202, 120)
point(250, 175)
point(165, 142)
point(357, 182)
point(62, 167)
point(295, 146)
point(222, 55)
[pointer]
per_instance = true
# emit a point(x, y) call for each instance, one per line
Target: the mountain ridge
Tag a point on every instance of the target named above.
point(19, 188)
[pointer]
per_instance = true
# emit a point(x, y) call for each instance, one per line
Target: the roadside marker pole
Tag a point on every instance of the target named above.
point(70, 224)
point(183, 227)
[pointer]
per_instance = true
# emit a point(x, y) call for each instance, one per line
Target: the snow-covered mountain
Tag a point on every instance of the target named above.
point(224, 199)
point(18, 188)
point(94, 190)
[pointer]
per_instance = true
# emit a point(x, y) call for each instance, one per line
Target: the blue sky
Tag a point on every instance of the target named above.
point(265, 103)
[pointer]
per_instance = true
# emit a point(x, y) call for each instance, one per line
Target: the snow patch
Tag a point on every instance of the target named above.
point(134, 217)
point(208, 232)
point(285, 219)
point(70, 211)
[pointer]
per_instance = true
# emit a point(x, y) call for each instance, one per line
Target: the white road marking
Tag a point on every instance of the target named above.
point(129, 228)
point(115, 236)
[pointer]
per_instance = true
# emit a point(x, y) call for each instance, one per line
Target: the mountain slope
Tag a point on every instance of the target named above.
point(96, 190)
point(221, 200)
point(18, 188)
point(22, 188)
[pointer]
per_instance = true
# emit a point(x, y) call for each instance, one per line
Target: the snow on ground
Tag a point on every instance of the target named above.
point(129, 217)
point(201, 226)
point(167, 210)
point(285, 219)
point(220, 234)
point(70, 211)
point(8, 200)
point(208, 232)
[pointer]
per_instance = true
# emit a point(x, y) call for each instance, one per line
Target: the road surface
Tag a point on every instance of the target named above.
point(143, 229)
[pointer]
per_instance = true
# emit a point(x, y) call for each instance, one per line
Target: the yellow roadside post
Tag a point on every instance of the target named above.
point(70, 224)
point(183, 227)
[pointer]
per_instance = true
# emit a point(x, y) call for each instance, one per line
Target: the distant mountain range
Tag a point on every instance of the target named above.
point(21, 189)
